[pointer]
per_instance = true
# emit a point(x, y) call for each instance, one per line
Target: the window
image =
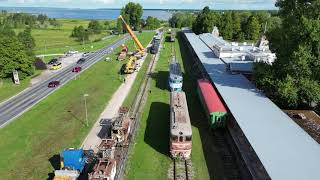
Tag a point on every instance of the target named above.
point(181, 138)
point(174, 138)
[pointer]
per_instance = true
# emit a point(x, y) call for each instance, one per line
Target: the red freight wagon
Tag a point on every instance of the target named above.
point(215, 110)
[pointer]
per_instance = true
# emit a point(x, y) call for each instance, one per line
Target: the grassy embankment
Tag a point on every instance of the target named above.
point(150, 156)
point(28, 144)
point(55, 41)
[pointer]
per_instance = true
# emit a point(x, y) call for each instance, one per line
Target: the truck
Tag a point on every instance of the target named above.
point(131, 65)
point(72, 163)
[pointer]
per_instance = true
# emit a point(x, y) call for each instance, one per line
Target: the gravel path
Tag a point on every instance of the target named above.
point(111, 110)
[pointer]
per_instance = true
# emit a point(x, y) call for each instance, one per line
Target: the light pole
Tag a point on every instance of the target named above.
point(85, 105)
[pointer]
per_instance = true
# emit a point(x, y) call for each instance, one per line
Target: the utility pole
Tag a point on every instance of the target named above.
point(86, 109)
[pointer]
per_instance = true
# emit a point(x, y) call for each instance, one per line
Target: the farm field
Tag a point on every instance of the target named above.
point(31, 144)
point(8, 89)
point(149, 158)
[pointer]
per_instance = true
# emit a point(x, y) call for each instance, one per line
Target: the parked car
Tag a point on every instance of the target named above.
point(73, 52)
point(86, 54)
point(56, 66)
point(77, 69)
point(81, 61)
point(53, 61)
point(53, 84)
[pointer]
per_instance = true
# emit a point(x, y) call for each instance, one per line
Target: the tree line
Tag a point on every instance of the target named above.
point(22, 20)
point(16, 53)
point(94, 27)
point(293, 81)
point(232, 25)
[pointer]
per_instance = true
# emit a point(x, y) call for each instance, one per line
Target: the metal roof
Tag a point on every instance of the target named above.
point(179, 116)
point(285, 149)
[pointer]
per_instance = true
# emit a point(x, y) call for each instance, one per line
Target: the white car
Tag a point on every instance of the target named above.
point(73, 52)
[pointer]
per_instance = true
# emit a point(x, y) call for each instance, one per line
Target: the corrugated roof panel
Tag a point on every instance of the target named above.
point(284, 148)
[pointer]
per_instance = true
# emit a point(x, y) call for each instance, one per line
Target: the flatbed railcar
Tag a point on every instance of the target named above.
point(214, 108)
point(180, 127)
point(175, 77)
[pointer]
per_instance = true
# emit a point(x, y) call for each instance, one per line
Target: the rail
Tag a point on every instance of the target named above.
point(181, 169)
point(135, 113)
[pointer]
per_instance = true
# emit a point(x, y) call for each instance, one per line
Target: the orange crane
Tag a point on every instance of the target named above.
point(134, 37)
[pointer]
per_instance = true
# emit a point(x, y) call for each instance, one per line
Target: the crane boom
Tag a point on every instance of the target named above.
point(134, 37)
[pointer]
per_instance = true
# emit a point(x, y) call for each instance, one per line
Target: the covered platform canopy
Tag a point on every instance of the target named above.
point(284, 148)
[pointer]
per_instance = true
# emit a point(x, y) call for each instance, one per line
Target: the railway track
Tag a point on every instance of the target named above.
point(181, 169)
point(134, 113)
point(231, 170)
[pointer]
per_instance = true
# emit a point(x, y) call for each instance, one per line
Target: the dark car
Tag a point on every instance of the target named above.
point(77, 69)
point(53, 61)
point(81, 61)
point(53, 84)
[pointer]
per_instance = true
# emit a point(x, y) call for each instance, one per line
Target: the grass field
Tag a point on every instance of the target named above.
point(30, 145)
point(57, 40)
point(8, 89)
point(150, 156)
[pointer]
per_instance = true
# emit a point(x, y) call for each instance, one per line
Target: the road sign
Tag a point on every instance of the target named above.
point(16, 77)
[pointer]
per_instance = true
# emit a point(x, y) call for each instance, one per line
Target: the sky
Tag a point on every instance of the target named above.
point(147, 4)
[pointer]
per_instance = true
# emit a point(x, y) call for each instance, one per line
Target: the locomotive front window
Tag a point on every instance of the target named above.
point(181, 138)
point(174, 138)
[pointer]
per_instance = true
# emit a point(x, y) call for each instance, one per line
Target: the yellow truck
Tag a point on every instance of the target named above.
point(131, 65)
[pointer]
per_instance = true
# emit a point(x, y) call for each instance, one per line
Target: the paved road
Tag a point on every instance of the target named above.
point(19, 104)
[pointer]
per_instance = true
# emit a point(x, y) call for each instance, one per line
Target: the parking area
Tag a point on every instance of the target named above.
point(66, 61)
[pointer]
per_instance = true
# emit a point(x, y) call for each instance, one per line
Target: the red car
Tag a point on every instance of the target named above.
point(76, 69)
point(53, 84)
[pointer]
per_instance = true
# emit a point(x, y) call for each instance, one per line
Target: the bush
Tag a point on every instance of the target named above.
point(39, 64)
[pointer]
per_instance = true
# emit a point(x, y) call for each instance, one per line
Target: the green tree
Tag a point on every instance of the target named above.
point(42, 18)
point(120, 28)
point(95, 27)
point(152, 23)
point(13, 56)
point(181, 19)
point(309, 92)
point(80, 33)
point(107, 24)
point(237, 34)
point(287, 92)
point(27, 40)
point(132, 13)
point(227, 26)
point(253, 28)
point(204, 22)
point(296, 41)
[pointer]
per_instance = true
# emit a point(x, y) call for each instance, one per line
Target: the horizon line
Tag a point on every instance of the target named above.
point(271, 9)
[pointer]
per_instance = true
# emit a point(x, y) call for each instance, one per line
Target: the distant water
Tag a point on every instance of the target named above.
point(84, 13)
